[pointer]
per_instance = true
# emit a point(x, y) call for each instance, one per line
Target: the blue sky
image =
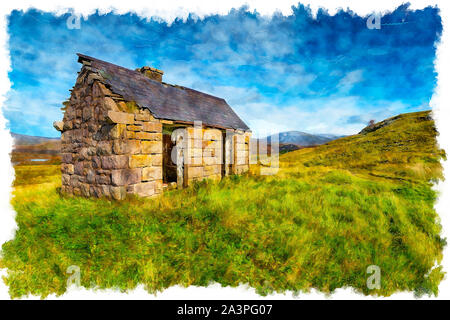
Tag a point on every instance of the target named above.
point(322, 74)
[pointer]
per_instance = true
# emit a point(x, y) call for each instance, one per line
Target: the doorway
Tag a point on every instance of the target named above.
point(169, 167)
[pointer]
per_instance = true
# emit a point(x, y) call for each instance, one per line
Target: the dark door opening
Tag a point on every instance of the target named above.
point(169, 167)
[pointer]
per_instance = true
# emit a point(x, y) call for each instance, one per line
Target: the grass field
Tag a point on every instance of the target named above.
point(329, 213)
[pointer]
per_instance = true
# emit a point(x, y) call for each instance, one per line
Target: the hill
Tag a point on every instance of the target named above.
point(35, 150)
point(302, 138)
point(328, 214)
point(400, 148)
point(25, 140)
point(295, 140)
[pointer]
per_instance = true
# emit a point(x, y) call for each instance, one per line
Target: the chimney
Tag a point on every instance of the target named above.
point(151, 73)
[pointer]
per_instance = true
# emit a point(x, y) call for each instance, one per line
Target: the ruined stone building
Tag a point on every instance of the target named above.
point(127, 132)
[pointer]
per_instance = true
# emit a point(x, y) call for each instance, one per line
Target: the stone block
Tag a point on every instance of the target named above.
point(91, 151)
point(127, 146)
point(114, 162)
point(88, 112)
point(83, 154)
point(151, 147)
point(140, 160)
point(239, 138)
point(207, 161)
point(75, 181)
point(65, 179)
point(195, 144)
point(142, 117)
point(151, 173)
point(241, 160)
point(99, 89)
point(76, 135)
point(134, 127)
point(67, 168)
point(194, 172)
point(120, 117)
point(85, 189)
point(66, 189)
point(131, 135)
point(103, 179)
point(58, 125)
point(122, 106)
point(69, 113)
point(76, 191)
point(149, 136)
point(66, 157)
point(90, 177)
point(143, 189)
point(126, 176)
point(212, 170)
point(93, 127)
point(110, 105)
point(152, 127)
point(212, 152)
point(195, 152)
point(118, 193)
point(76, 123)
point(68, 125)
point(94, 191)
point(96, 162)
point(105, 190)
point(195, 132)
point(65, 137)
point(104, 148)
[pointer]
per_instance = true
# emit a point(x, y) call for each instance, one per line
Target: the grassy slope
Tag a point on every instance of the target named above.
point(319, 223)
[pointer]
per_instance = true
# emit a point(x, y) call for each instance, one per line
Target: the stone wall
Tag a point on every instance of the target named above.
point(205, 159)
point(241, 145)
point(110, 147)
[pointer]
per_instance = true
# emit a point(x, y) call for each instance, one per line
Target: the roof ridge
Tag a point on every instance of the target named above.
point(83, 56)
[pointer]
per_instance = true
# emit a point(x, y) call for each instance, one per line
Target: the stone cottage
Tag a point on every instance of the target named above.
point(128, 132)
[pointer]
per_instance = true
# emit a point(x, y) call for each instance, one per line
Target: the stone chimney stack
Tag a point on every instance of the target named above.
point(151, 73)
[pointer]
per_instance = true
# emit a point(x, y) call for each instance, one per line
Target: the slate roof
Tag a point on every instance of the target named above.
point(165, 101)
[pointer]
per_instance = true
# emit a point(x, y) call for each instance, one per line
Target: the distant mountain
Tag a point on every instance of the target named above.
point(25, 140)
point(35, 150)
point(303, 139)
point(329, 136)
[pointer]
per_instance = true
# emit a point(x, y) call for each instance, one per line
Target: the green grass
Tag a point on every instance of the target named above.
point(319, 223)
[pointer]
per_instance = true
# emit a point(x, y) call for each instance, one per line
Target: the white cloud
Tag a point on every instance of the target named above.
point(321, 115)
point(29, 112)
point(349, 80)
point(313, 115)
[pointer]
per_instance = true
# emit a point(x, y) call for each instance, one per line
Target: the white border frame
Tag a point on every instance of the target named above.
point(168, 10)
